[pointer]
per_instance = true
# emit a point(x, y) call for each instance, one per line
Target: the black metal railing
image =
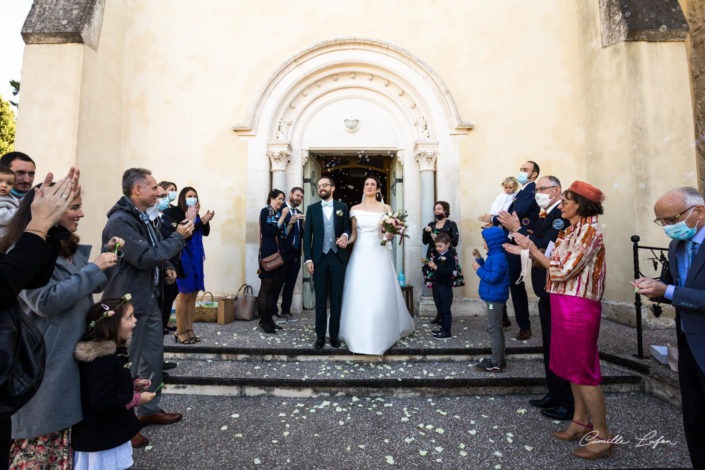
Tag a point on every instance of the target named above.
point(659, 262)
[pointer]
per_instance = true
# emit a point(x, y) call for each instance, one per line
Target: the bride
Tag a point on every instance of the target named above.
point(374, 315)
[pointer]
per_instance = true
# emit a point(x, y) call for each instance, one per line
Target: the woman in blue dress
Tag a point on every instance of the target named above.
point(191, 261)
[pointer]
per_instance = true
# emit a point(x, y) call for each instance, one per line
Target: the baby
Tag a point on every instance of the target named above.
point(8, 204)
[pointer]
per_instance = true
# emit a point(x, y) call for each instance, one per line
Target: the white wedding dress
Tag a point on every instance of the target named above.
point(374, 315)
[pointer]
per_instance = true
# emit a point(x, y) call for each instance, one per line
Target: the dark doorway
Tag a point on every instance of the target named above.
point(349, 172)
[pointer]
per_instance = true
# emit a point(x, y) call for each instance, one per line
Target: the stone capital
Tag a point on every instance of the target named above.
point(279, 156)
point(426, 154)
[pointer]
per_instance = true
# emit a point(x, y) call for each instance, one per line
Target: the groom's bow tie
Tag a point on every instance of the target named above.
point(327, 203)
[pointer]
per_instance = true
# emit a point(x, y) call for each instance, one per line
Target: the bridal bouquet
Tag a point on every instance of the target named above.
point(394, 223)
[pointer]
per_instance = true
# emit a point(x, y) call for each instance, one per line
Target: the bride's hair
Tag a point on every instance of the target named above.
point(378, 196)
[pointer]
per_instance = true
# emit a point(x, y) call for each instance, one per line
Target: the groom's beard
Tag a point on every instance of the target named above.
point(324, 195)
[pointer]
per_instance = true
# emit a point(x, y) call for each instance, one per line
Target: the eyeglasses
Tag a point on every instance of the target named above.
point(544, 188)
point(324, 185)
point(671, 220)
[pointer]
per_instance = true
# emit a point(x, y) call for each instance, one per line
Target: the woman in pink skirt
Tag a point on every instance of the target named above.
point(576, 280)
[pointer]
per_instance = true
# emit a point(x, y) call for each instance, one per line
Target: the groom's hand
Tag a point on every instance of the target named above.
point(342, 242)
point(309, 267)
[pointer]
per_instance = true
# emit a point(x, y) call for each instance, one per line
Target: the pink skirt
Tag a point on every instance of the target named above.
point(575, 325)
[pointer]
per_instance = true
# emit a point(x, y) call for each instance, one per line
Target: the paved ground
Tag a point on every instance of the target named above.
point(416, 433)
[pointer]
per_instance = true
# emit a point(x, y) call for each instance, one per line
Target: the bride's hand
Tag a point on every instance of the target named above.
point(388, 236)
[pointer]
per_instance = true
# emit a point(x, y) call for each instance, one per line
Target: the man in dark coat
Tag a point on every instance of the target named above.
point(681, 212)
point(325, 241)
point(139, 273)
point(527, 212)
point(558, 402)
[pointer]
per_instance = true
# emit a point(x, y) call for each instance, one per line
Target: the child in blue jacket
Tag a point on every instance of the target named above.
point(494, 290)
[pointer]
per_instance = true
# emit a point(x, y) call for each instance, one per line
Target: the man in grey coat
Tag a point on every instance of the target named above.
point(142, 269)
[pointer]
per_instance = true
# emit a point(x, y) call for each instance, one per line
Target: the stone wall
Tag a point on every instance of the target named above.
point(695, 11)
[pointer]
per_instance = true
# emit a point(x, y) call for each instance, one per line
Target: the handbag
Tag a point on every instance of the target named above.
point(22, 360)
point(273, 261)
point(245, 304)
point(206, 311)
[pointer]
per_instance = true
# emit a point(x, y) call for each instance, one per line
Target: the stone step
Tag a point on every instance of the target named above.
point(401, 378)
point(222, 353)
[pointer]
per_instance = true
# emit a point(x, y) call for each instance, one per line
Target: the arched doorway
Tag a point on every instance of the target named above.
point(341, 97)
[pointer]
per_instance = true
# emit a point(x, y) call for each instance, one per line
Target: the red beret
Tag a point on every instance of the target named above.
point(587, 191)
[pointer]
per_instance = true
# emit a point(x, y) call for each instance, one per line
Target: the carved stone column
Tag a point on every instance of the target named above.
point(279, 157)
point(426, 154)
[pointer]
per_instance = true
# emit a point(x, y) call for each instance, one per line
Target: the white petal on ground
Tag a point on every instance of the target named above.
point(528, 448)
point(223, 428)
point(439, 449)
point(521, 411)
point(423, 452)
point(389, 459)
point(497, 453)
point(257, 461)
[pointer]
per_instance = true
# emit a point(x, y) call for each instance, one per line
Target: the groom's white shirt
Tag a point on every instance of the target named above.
point(328, 213)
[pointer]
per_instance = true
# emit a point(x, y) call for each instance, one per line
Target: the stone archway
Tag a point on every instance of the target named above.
point(305, 103)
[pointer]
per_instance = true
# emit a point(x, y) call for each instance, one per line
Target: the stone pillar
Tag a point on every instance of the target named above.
point(279, 157)
point(426, 155)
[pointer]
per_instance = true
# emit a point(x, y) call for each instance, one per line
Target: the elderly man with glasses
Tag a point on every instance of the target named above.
point(681, 213)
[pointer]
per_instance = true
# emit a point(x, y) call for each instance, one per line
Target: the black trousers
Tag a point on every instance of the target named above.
point(443, 298)
point(5, 433)
point(558, 388)
point(292, 266)
point(167, 300)
point(692, 382)
point(267, 300)
point(520, 301)
point(328, 278)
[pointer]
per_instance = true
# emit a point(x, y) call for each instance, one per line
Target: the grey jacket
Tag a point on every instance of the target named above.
point(8, 207)
point(145, 256)
point(59, 311)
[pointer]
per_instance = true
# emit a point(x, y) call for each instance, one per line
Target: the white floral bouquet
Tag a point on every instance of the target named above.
point(394, 223)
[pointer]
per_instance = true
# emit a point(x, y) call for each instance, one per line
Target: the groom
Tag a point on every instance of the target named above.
point(325, 240)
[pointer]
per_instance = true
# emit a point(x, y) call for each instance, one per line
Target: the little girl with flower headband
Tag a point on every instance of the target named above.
point(108, 392)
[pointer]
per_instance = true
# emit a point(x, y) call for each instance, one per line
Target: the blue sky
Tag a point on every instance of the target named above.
point(12, 16)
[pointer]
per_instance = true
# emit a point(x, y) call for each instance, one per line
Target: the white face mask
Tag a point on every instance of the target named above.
point(152, 212)
point(543, 200)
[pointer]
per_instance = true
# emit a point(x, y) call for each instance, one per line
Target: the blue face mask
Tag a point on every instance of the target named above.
point(172, 195)
point(163, 203)
point(680, 230)
point(523, 177)
point(17, 193)
point(191, 201)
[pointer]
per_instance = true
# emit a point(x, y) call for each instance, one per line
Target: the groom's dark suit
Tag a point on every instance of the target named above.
point(329, 268)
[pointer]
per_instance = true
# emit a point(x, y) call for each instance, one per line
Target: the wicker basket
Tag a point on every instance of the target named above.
point(206, 313)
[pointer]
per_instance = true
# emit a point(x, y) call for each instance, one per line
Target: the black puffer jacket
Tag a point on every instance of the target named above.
point(106, 389)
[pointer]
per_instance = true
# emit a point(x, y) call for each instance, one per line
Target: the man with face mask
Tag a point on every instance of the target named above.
point(681, 213)
point(520, 217)
point(558, 402)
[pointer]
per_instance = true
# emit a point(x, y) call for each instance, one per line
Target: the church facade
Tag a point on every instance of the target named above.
point(441, 99)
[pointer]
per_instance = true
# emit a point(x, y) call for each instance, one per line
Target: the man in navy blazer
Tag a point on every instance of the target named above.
point(681, 212)
point(527, 212)
point(325, 240)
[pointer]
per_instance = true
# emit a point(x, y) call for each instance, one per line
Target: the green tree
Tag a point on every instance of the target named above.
point(15, 91)
point(7, 127)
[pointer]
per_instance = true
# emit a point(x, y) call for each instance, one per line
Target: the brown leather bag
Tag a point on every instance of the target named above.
point(273, 261)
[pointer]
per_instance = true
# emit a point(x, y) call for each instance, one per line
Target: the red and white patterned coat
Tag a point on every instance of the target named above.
point(578, 261)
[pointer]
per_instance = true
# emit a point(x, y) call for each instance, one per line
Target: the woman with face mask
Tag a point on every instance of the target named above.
point(441, 223)
point(576, 281)
point(192, 258)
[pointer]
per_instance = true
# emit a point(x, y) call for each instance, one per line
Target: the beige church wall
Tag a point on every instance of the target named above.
point(48, 116)
point(166, 86)
point(524, 104)
point(638, 142)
